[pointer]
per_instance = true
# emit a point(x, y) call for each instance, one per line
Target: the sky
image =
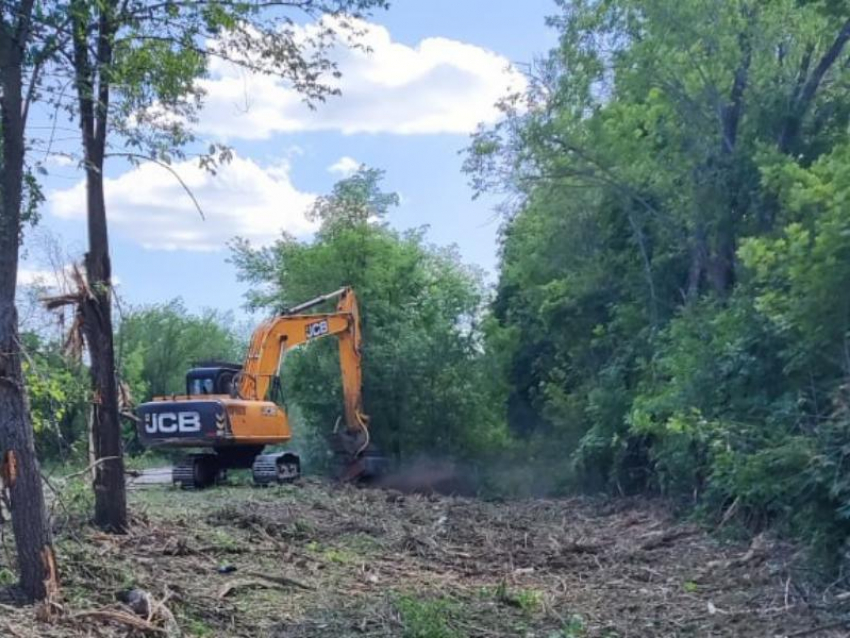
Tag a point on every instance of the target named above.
point(435, 70)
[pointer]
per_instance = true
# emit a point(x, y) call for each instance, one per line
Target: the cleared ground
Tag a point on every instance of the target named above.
point(314, 559)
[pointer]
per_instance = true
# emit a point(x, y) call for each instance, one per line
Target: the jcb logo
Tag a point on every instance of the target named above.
point(173, 422)
point(317, 329)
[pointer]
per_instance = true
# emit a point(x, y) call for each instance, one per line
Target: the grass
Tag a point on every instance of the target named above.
point(574, 628)
point(690, 586)
point(529, 601)
point(361, 543)
point(224, 540)
point(339, 556)
point(7, 577)
point(195, 626)
point(427, 618)
point(146, 461)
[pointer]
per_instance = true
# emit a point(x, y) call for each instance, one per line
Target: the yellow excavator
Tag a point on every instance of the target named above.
point(231, 411)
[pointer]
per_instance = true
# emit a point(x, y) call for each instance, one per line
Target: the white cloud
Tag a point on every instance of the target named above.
point(149, 206)
point(345, 166)
point(38, 277)
point(60, 278)
point(61, 160)
point(438, 86)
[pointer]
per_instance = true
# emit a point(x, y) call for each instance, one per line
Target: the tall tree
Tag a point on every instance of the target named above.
point(676, 169)
point(426, 384)
point(132, 61)
point(19, 467)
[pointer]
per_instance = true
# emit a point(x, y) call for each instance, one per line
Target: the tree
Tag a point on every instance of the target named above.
point(669, 272)
point(18, 464)
point(159, 343)
point(58, 393)
point(134, 66)
point(647, 81)
point(426, 381)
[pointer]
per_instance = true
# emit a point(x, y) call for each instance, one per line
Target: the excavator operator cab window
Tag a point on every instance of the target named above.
point(200, 385)
point(201, 381)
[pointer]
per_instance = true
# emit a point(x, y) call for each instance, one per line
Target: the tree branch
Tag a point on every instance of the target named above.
point(731, 113)
point(802, 103)
point(170, 170)
point(38, 66)
point(824, 65)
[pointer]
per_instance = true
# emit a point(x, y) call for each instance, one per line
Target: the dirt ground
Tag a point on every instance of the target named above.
point(314, 559)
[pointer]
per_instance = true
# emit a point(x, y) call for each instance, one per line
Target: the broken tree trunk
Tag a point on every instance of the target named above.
point(109, 487)
point(92, 82)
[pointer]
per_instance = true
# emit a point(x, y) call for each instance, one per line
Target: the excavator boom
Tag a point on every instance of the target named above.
point(291, 329)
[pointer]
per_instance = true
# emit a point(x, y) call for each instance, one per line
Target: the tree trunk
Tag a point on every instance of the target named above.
point(109, 483)
point(721, 269)
point(20, 470)
point(18, 464)
point(699, 257)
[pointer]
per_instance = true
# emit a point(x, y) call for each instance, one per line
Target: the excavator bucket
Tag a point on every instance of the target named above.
point(352, 462)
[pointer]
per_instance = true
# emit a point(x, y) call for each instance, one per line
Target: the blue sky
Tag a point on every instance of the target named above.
point(407, 109)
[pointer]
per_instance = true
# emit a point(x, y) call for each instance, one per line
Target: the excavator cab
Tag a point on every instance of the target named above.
point(211, 379)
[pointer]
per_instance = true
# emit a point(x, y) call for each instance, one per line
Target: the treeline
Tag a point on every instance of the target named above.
point(673, 292)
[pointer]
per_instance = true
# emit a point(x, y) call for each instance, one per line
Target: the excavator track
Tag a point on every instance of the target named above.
point(196, 471)
point(282, 467)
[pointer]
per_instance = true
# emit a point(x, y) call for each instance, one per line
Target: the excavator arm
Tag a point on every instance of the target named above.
point(292, 328)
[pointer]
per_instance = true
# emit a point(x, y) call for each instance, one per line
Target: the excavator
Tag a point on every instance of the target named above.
point(231, 412)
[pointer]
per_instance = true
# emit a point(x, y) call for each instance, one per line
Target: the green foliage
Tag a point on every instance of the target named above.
point(426, 618)
point(58, 392)
point(158, 344)
point(7, 577)
point(573, 628)
point(158, 52)
point(671, 310)
point(747, 401)
point(427, 383)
